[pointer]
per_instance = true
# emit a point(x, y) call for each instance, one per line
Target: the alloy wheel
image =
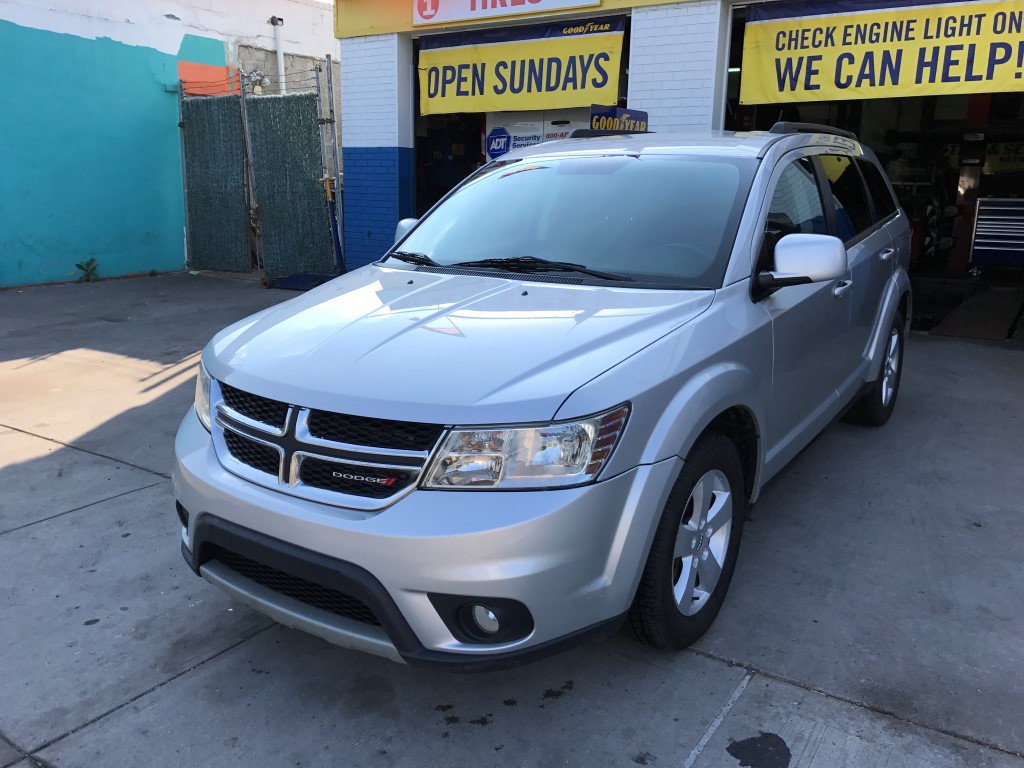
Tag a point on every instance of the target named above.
point(890, 375)
point(702, 542)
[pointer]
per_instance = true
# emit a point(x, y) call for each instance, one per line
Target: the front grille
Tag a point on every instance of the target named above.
point(262, 409)
point(379, 433)
point(253, 454)
point(315, 595)
point(326, 475)
point(345, 460)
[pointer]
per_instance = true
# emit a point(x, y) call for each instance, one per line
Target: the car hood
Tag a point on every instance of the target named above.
point(453, 349)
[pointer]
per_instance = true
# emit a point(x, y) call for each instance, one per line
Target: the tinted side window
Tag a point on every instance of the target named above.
point(853, 215)
point(885, 206)
point(795, 209)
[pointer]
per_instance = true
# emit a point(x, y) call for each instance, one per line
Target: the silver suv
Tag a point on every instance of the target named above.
point(547, 409)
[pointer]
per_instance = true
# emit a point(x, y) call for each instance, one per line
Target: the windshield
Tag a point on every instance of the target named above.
point(664, 219)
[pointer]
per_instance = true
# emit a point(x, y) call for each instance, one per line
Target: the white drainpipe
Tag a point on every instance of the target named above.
point(277, 23)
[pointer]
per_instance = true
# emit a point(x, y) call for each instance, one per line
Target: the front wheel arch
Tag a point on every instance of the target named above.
point(739, 425)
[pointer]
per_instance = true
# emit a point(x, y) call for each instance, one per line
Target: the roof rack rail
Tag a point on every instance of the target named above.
point(590, 133)
point(812, 128)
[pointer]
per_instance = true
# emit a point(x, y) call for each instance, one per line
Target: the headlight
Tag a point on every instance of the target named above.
point(537, 456)
point(203, 395)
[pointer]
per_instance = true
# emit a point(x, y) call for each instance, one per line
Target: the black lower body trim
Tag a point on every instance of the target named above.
point(468, 662)
point(213, 534)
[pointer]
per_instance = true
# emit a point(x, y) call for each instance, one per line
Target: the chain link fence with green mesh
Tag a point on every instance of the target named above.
point(286, 173)
point(218, 227)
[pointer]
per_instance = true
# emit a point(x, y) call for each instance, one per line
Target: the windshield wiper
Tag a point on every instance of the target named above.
point(534, 264)
point(411, 257)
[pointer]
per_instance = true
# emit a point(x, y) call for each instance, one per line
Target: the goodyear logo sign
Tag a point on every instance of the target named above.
point(527, 68)
point(804, 51)
point(617, 119)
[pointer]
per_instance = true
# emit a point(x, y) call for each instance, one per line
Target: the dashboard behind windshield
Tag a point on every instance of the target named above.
point(658, 219)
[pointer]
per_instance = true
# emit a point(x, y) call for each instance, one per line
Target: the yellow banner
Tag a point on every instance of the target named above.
point(920, 50)
point(573, 64)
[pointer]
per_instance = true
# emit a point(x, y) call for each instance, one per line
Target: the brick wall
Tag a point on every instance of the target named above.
point(374, 200)
point(374, 108)
point(377, 140)
point(676, 64)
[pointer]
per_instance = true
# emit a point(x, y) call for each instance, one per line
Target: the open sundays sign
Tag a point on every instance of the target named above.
point(795, 52)
point(551, 66)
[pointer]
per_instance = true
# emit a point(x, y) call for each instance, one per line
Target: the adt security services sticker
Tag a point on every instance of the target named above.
point(499, 142)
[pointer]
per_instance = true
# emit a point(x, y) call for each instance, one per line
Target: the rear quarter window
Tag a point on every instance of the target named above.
point(853, 212)
point(885, 205)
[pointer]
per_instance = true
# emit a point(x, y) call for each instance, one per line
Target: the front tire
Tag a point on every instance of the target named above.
point(691, 561)
point(877, 403)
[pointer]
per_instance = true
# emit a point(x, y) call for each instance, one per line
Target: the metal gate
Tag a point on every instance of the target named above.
point(259, 195)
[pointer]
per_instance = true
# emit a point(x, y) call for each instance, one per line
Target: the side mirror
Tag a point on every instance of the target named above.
point(403, 228)
point(802, 259)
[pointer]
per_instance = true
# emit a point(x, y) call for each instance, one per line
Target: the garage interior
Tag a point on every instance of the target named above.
point(957, 165)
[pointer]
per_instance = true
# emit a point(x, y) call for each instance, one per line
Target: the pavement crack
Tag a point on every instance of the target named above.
point(37, 762)
point(21, 752)
point(753, 669)
point(79, 509)
point(719, 719)
point(164, 475)
point(138, 696)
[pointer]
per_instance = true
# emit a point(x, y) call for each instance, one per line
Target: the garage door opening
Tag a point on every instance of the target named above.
point(956, 161)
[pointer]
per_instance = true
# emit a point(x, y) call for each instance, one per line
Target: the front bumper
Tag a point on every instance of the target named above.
point(572, 556)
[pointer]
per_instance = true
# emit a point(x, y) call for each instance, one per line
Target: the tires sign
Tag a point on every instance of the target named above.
point(444, 11)
point(426, 10)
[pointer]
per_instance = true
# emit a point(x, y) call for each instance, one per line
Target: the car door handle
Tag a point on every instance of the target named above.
point(887, 254)
point(842, 287)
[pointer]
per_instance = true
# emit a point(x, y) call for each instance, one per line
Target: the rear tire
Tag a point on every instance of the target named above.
point(691, 561)
point(876, 405)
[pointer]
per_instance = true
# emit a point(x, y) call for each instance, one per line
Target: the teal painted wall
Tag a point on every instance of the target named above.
point(91, 163)
point(202, 50)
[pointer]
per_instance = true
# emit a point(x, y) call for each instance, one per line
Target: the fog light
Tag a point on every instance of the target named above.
point(482, 619)
point(485, 619)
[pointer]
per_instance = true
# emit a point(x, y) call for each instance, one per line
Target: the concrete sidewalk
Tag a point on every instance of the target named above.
point(875, 618)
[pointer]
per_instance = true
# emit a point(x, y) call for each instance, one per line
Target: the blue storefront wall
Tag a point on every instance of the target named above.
point(92, 155)
point(379, 191)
